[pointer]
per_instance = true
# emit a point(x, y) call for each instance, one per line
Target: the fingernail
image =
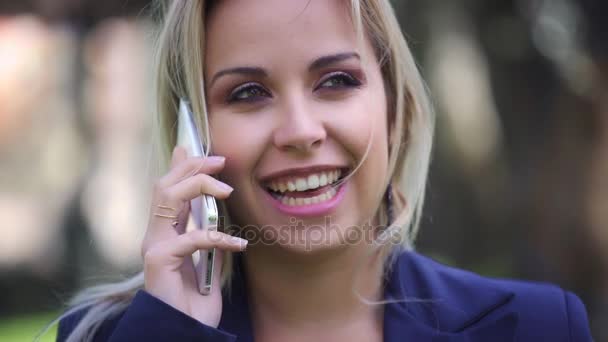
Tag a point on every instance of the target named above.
point(216, 159)
point(238, 241)
point(224, 186)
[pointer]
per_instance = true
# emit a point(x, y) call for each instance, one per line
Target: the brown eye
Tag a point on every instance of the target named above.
point(247, 92)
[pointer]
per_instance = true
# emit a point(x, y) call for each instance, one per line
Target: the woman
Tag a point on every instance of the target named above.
point(314, 110)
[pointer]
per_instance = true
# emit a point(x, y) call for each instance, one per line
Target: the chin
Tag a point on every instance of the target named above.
point(305, 238)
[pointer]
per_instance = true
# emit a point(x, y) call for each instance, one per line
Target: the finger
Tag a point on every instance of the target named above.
point(161, 209)
point(201, 183)
point(188, 243)
point(168, 216)
point(191, 166)
point(172, 210)
point(183, 219)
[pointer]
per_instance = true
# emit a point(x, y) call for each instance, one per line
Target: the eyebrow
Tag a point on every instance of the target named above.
point(325, 61)
point(317, 64)
point(251, 71)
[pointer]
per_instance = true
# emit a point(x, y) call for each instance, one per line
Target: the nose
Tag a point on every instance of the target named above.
point(300, 129)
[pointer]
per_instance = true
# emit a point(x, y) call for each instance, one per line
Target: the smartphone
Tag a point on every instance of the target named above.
point(203, 209)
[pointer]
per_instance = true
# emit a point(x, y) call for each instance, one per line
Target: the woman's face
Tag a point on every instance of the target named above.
point(293, 103)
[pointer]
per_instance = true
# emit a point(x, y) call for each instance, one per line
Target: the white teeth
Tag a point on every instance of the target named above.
point(313, 181)
point(323, 179)
point(299, 201)
point(333, 176)
point(301, 184)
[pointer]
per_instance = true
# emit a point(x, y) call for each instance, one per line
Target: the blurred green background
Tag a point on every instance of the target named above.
point(519, 180)
point(27, 327)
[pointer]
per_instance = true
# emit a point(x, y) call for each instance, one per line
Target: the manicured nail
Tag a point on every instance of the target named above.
point(224, 186)
point(216, 159)
point(238, 241)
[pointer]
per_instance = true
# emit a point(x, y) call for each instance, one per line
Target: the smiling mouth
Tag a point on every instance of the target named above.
point(314, 188)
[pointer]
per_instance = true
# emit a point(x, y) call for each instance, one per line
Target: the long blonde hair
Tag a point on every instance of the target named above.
point(178, 70)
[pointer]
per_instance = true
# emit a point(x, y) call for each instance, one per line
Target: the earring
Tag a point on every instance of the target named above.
point(389, 203)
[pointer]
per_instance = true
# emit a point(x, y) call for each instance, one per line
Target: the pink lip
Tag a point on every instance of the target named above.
point(309, 210)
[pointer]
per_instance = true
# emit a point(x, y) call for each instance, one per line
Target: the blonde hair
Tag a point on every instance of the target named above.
point(179, 66)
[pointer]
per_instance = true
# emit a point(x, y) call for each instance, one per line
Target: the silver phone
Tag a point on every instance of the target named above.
point(203, 209)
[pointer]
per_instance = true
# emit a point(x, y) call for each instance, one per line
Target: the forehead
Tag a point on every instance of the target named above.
point(269, 31)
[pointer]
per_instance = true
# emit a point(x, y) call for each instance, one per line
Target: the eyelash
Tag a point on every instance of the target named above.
point(234, 95)
point(348, 80)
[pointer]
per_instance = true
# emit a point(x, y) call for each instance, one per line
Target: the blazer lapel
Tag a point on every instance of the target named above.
point(432, 302)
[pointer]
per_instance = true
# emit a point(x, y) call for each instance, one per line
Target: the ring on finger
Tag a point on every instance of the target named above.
point(165, 216)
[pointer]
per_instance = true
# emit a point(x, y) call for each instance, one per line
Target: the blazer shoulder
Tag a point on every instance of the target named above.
point(463, 298)
point(69, 322)
point(544, 307)
point(448, 280)
point(146, 318)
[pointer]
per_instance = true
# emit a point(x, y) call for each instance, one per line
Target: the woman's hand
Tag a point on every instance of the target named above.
point(168, 269)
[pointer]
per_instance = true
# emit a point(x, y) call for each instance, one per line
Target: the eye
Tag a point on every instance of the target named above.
point(248, 92)
point(339, 80)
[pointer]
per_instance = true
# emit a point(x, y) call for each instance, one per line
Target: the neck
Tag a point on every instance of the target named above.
point(297, 290)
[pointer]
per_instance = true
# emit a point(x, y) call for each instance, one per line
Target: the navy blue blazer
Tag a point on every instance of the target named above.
point(447, 304)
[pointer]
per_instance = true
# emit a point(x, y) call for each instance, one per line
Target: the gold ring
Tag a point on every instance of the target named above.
point(165, 207)
point(165, 216)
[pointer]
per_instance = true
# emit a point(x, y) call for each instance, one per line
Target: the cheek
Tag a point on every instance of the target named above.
point(233, 138)
point(361, 123)
point(365, 126)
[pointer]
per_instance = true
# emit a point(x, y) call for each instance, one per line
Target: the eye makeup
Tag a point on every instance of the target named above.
point(337, 80)
point(247, 92)
point(251, 92)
